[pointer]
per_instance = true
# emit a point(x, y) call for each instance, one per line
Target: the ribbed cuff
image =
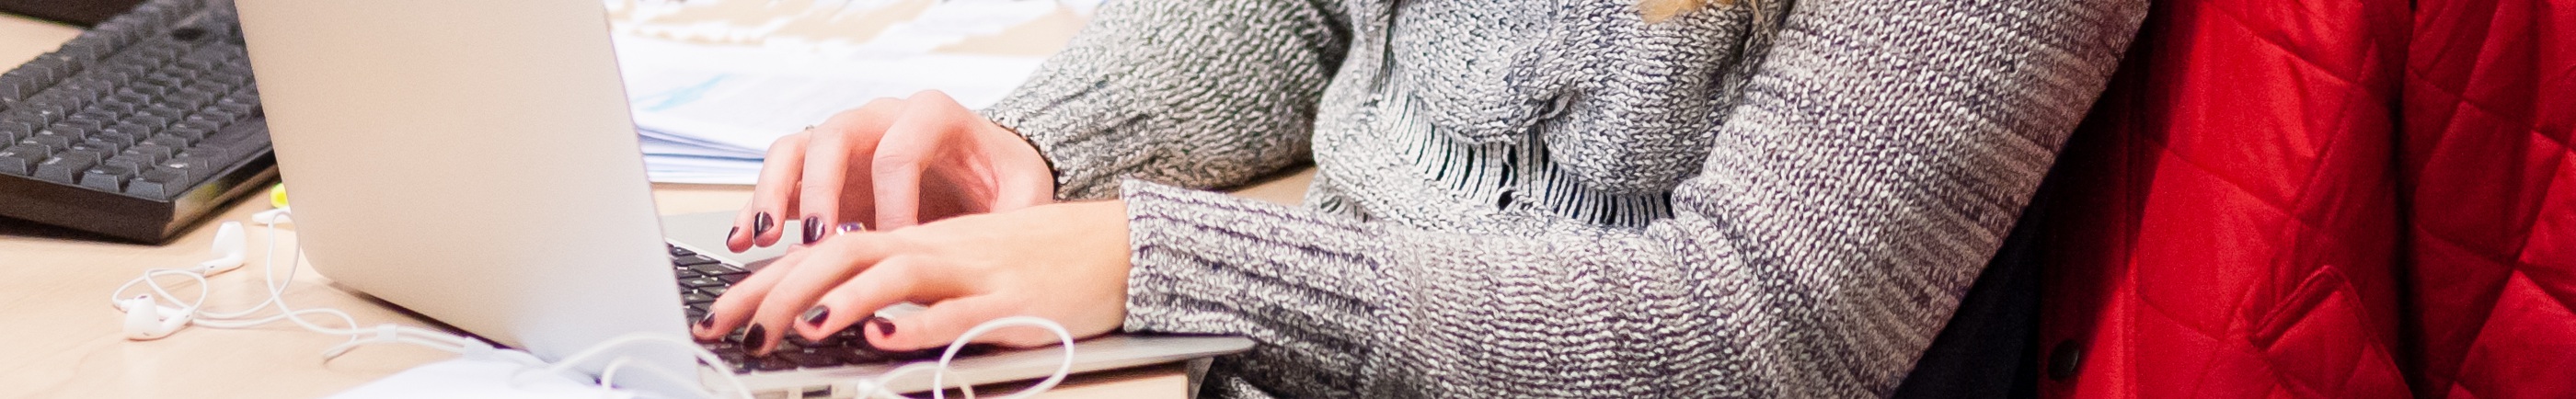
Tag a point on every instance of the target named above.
point(1300, 283)
point(1076, 131)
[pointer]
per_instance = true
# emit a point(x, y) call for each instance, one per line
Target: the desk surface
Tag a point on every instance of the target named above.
point(59, 337)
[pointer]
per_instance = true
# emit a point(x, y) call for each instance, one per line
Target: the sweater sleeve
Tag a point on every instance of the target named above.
point(1874, 162)
point(1202, 93)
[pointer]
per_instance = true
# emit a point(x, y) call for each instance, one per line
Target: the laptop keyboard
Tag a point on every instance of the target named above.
point(702, 279)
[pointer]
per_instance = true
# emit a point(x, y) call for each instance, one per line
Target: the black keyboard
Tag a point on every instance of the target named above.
point(136, 129)
point(703, 278)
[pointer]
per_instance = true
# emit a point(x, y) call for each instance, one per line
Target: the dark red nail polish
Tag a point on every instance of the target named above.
point(707, 321)
point(753, 339)
point(815, 315)
point(813, 229)
point(884, 327)
point(852, 226)
point(729, 233)
point(761, 223)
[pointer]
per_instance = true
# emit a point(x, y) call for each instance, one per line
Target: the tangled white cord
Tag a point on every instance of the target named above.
point(472, 348)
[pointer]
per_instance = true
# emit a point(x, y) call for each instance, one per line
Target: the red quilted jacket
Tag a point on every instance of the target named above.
point(2321, 199)
point(2233, 227)
point(2489, 181)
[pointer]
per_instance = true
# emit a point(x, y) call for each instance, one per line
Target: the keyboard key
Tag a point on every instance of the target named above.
point(181, 171)
point(107, 177)
point(144, 185)
point(677, 251)
point(696, 298)
point(716, 290)
point(692, 260)
point(715, 269)
point(65, 167)
point(703, 282)
point(170, 140)
point(21, 162)
point(150, 152)
point(770, 363)
point(809, 358)
point(51, 139)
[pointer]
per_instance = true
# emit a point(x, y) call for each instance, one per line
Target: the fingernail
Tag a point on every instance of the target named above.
point(852, 226)
point(707, 321)
point(813, 229)
point(884, 327)
point(729, 233)
point(816, 315)
point(761, 224)
point(754, 338)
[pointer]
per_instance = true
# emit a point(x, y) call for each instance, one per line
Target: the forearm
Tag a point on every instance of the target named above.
point(1197, 93)
point(1870, 168)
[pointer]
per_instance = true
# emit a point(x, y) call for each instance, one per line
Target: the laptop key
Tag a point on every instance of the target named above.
point(702, 282)
point(770, 363)
point(692, 260)
point(716, 269)
point(716, 290)
point(696, 298)
point(809, 358)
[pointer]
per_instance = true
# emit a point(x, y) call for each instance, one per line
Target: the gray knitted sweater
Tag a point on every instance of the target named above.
point(1554, 199)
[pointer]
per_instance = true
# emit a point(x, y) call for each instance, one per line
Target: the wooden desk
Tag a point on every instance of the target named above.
point(60, 338)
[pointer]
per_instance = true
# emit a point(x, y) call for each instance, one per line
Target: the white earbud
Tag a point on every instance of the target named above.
point(229, 250)
point(147, 320)
point(272, 216)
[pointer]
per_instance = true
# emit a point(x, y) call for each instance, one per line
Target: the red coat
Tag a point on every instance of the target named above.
point(2225, 223)
point(2490, 186)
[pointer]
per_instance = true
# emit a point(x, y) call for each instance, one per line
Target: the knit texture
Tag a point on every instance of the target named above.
point(1554, 199)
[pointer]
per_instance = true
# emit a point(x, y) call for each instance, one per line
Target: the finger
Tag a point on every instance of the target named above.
point(828, 163)
point(928, 121)
point(1025, 177)
point(829, 265)
point(944, 322)
point(780, 174)
point(858, 299)
point(732, 309)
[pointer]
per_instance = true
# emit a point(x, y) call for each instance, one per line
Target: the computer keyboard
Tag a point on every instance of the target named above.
point(702, 279)
point(138, 128)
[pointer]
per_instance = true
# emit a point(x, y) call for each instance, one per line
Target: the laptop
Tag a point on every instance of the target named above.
point(474, 161)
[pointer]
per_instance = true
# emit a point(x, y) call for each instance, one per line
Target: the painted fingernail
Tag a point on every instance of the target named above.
point(816, 315)
point(813, 229)
point(884, 327)
point(754, 338)
point(761, 224)
point(707, 321)
point(729, 233)
point(852, 226)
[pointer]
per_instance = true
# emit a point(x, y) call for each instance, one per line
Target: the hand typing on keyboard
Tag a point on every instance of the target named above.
point(891, 163)
point(1062, 262)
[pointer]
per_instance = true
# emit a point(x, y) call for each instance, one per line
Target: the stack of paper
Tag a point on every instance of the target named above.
point(713, 83)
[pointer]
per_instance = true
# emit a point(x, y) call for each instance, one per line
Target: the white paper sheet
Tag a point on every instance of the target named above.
point(713, 83)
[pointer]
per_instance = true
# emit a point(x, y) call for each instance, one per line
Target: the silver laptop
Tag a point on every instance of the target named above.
point(474, 161)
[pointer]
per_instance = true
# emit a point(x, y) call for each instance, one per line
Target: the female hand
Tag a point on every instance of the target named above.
point(891, 163)
point(1063, 262)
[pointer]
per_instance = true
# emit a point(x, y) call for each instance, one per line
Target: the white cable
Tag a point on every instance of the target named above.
point(276, 288)
point(939, 371)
